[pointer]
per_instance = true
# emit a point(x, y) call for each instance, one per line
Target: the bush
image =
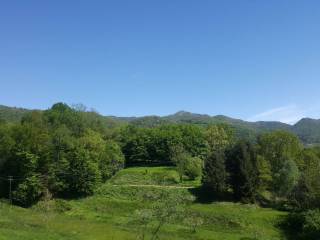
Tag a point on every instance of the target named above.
point(193, 167)
point(311, 225)
point(62, 206)
point(28, 192)
point(305, 224)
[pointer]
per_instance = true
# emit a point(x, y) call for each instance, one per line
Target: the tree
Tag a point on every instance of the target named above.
point(6, 145)
point(282, 150)
point(243, 170)
point(164, 208)
point(135, 144)
point(192, 167)
point(193, 139)
point(29, 191)
point(265, 174)
point(58, 152)
point(306, 193)
point(179, 156)
point(286, 178)
point(218, 137)
point(273, 146)
point(112, 160)
point(84, 174)
point(214, 173)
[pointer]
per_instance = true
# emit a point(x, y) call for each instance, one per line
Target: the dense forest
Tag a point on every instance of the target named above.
point(307, 129)
point(68, 152)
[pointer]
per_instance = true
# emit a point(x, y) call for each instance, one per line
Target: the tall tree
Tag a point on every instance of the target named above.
point(306, 193)
point(178, 156)
point(214, 173)
point(282, 150)
point(243, 167)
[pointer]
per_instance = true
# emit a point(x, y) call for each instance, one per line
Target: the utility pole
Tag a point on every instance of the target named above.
point(10, 179)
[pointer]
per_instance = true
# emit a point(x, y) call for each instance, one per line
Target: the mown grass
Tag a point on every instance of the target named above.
point(112, 213)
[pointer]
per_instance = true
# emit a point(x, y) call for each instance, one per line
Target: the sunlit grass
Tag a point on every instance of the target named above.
point(111, 214)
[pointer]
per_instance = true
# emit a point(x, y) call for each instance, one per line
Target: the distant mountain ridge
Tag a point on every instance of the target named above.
point(307, 129)
point(12, 114)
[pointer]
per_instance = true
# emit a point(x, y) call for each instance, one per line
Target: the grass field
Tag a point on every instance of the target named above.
point(113, 213)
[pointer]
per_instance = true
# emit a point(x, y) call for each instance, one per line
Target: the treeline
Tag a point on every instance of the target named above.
point(62, 152)
point(274, 169)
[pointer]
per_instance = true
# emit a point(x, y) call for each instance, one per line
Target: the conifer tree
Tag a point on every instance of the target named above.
point(215, 175)
point(244, 171)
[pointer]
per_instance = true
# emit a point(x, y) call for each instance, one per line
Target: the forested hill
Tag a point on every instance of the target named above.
point(12, 114)
point(307, 129)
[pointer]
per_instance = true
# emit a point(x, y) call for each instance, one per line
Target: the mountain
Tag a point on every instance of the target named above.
point(12, 114)
point(307, 129)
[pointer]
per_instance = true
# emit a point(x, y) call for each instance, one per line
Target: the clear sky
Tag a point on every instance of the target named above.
point(255, 60)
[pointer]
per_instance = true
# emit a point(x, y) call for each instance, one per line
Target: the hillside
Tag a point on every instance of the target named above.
point(119, 210)
point(307, 129)
point(12, 114)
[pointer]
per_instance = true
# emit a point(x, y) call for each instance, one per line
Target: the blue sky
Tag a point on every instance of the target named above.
point(254, 60)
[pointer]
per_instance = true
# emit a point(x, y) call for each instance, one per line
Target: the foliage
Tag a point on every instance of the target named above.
point(70, 152)
point(154, 145)
point(243, 169)
point(281, 150)
point(306, 193)
point(28, 191)
point(218, 137)
point(113, 214)
point(60, 150)
point(187, 165)
point(193, 167)
point(306, 225)
point(214, 173)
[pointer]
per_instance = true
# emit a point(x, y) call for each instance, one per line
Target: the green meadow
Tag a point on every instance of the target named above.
point(118, 210)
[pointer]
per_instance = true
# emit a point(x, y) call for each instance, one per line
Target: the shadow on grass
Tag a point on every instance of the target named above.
point(290, 228)
point(205, 195)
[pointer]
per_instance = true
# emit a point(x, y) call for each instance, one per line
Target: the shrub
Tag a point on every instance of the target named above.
point(305, 224)
point(311, 225)
point(193, 167)
point(28, 192)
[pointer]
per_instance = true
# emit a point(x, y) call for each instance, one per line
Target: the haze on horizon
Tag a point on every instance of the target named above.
point(248, 60)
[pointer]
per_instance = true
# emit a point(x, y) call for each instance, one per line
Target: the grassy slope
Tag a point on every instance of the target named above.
point(111, 214)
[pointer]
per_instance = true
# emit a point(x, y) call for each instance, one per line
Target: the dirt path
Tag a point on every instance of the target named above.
point(151, 185)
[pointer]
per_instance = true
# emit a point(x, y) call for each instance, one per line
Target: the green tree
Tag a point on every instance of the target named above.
point(193, 167)
point(265, 174)
point(179, 156)
point(112, 160)
point(244, 173)
point(29, 191)
point(306, 193)
point(84, 174)
point(218, 137)
point(282, 150)
point(214, 173)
